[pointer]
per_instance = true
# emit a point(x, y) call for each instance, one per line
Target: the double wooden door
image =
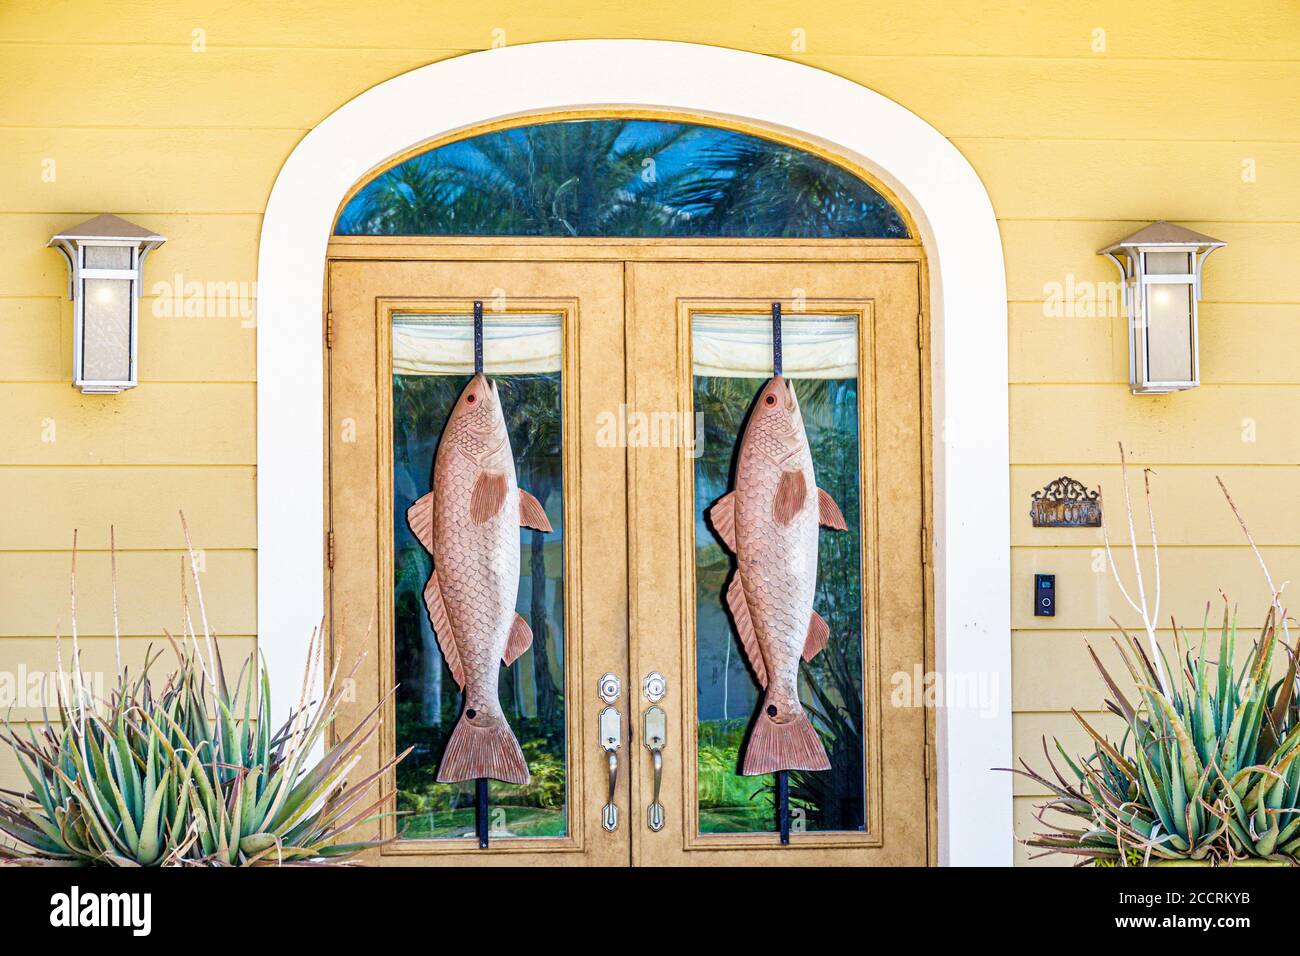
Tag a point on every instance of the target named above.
point(624, 385)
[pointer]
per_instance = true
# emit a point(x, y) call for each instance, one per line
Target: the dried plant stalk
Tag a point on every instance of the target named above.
point(1149, 615)
point(1276, 592)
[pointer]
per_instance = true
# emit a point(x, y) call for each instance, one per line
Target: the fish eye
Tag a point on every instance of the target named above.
point(471, 398)
point(770, 400)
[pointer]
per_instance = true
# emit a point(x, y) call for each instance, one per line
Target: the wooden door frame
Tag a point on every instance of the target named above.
point(530, 249)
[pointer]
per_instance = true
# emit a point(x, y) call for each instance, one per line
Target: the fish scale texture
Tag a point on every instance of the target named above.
point(777, 564)
point(477, 571)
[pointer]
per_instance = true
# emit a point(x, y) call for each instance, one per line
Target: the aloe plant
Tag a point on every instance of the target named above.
point(191, 773)
point(1207, 772)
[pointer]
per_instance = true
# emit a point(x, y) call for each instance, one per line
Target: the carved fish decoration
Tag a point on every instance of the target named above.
point(470, 523)
point(770, 523)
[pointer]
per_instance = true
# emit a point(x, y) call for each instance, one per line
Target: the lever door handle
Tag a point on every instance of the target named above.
point(611, 738)
point(609, 813)
point(655, 735)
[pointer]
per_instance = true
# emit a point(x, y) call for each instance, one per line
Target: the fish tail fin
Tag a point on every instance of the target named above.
point(474, 752)
point(793, 745)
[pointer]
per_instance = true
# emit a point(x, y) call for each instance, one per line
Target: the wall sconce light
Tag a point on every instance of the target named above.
point(105, 267)
point(1160, 266)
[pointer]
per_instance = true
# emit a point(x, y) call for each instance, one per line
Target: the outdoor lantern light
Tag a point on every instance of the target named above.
point(105, 262)
point(1160, 266)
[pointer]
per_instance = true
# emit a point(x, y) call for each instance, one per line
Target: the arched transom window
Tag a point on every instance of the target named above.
point(620, 178)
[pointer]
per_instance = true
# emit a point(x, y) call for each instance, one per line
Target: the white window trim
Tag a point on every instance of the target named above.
point(968, 306)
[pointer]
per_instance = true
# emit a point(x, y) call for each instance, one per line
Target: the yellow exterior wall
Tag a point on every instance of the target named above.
point(120, 112)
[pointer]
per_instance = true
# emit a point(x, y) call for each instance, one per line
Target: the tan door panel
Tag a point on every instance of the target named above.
point(364, 296)
point(661, 298)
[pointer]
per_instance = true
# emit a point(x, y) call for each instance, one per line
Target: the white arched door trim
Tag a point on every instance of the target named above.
point(968, 327)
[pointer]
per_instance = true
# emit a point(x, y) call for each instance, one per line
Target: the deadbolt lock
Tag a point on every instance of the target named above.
point(609, 688)
point(655, 687)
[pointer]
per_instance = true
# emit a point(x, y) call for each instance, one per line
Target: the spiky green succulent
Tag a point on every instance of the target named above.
point(190, 774)
point(1208, 771)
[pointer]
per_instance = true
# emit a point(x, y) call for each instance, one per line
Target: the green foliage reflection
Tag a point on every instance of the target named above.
point(612, 177)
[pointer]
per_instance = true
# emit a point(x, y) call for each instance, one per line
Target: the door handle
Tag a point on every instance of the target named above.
point(611, 738)
point(655, 817)
point(655, 734)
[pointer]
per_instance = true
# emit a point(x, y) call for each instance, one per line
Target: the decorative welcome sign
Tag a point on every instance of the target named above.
point(1066, 503)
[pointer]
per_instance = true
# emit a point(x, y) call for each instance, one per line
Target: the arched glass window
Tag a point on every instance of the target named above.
point(620, 178)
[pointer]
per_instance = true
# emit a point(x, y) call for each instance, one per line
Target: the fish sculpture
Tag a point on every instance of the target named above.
point(470, 523)
point(770, 522)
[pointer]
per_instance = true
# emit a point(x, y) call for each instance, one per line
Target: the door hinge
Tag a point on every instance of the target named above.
point(329, 330)
point(925, 545)
point(329, 549)
point(926, 757)
point(920, 331)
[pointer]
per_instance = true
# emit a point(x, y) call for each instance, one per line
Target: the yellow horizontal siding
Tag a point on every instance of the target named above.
point(200, 424)
point(207, 171)
point(1029, 730)
point(1164, 29)
point(1027, 824)
point(1214, 424)
point(219, 502)
point(11, 777)
point(35, 598)
point(1080, 98)
point(174, 86)
point(1024, 180)
point(1076, 147)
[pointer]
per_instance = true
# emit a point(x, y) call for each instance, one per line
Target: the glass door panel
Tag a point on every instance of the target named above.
point(432, 364)
point(731, 359)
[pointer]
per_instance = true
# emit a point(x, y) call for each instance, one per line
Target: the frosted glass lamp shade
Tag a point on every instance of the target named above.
point(105, 257)
point(1160, 270)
